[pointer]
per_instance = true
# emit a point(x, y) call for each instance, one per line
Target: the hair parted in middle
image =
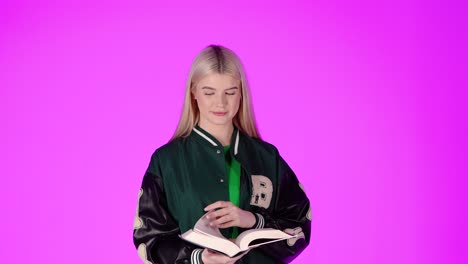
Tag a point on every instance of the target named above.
point(216, 59)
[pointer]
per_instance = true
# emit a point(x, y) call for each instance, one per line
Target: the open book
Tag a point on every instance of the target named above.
point(210, 237)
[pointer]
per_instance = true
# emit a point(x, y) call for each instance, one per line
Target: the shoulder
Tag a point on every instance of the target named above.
point(169, 149)
point(165, 155)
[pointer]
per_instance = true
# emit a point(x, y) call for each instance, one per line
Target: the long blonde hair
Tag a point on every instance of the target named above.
point(221, 60)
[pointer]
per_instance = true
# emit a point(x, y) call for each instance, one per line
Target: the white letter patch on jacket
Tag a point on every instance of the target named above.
point(143, 254)
point(262, 191)
point(138, 223)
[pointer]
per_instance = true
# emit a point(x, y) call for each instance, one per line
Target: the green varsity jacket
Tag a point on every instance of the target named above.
point(187, 174)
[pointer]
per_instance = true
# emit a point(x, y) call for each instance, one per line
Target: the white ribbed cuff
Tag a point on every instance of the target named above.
point(195, 258)
point(260, 221)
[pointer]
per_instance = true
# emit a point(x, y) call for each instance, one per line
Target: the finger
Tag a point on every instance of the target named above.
point(211, 252)
point(218, 204)
point(227, 224)
point(213, 206)
point(218, 257)
point(209, 256)
point(222, 220)
point(218, 213)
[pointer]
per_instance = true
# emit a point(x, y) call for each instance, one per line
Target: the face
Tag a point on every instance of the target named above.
point(218, 98)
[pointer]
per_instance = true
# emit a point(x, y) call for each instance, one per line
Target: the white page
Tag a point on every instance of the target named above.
point(203, 226)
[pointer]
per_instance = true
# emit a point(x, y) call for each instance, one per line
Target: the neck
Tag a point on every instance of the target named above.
point(222, 133)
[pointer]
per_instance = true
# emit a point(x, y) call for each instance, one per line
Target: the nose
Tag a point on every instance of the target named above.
point(221, 100)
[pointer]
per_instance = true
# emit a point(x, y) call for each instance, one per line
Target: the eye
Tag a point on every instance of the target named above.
point(209, 93)
point(231, 93)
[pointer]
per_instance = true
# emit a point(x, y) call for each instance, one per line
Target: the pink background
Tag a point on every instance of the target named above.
point(366, 102)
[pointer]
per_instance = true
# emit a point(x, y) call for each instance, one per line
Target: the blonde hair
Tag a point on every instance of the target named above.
point(220, 60)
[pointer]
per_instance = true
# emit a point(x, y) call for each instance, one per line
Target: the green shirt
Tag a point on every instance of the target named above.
point(233, 172)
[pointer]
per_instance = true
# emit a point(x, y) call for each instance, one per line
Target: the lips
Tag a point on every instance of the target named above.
point(219, 113)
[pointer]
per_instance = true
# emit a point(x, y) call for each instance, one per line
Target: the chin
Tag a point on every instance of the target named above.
point(225, 121)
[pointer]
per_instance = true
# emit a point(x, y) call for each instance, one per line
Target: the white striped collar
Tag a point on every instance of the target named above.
point(236, 145)
point(208, 137)
point(205, 136)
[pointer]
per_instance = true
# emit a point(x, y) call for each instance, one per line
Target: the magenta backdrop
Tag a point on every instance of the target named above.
point(365, 101)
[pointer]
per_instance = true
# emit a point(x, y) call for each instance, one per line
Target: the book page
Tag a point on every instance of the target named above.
point(269, 235)
point(210, 237)
point(207, 241)
point(203, 226)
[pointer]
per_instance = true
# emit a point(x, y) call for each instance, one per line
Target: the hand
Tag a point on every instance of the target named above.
point(229, 215)
point(211, 257)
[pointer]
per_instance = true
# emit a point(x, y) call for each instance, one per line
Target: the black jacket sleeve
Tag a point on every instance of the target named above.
point(291, 213)
point(155, 232)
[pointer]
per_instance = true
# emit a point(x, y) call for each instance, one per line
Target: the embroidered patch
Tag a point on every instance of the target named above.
point(309, 214)
point(138, 223)
point(262, 191)
point(302, 187)
point(296, 231)
point(142, 254)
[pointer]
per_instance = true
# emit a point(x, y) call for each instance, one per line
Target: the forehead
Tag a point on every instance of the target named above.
point(218, 81)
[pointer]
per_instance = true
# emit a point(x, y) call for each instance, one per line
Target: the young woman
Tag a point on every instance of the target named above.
point(217, 163)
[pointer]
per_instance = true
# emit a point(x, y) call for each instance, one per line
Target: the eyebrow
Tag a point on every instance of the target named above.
point(211, 88)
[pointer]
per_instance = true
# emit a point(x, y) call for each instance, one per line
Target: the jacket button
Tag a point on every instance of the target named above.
point(221, 180)
point(218, 151)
